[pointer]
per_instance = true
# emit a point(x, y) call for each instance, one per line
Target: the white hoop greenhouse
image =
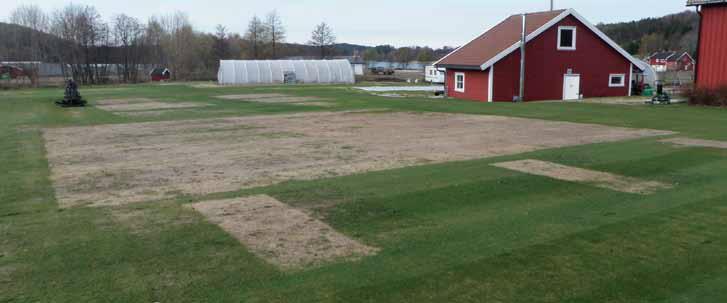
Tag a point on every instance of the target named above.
point(240, 72)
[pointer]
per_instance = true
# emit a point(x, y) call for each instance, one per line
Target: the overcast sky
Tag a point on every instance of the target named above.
point(398, 22)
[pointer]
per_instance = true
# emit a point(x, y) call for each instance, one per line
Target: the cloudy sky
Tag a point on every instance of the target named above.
point(399, 22)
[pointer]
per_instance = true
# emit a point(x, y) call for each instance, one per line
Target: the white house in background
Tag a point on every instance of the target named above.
point(433, 74)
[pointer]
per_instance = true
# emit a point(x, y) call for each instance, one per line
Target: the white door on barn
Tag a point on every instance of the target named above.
point(571, 87)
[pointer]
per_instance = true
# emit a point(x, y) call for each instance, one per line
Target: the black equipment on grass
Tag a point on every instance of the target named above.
point(72, 98)
point(661, 97)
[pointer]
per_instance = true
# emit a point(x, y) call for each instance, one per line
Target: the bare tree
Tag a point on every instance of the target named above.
point(84, 36)
point(256, 36)
point(32, 17)
point(128, 37)
point(221, 47)
point(153, 39)
point(178, 45)
point(323, 38)
point(276, 32)
point(404, 55)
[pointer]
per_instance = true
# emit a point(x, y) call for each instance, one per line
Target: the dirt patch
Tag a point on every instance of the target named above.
point(104, 90)
point(6, 273)
point(270, 98)
point(696, 142)
point(127, 163)
point(123, 101)
point(283, 235)
point(252, 96)
point(616, 101)
point(205, 85)
point(575, 174)
point(145, 220)
point(75, 113)
point(288, 100)
point(321, 104)
point(142, 104)
point(143, 114)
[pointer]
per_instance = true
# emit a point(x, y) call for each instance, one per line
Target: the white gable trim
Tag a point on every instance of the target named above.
point(551, 23)
point(490, 83)
point(688, 55)
point(605, 38)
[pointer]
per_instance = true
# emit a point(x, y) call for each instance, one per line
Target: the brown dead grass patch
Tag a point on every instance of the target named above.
point(252, 96)
point(270, 98)
point(123, 101)
point(6, 273)
point(205, 85)
point(142, 104)
point(283, 235)
point(104, 90)
point(575, 174)
point(145, 220)
point(127, 163)
point(321, 104)
point(143, 114)
point(696, 142)
point(288, 100)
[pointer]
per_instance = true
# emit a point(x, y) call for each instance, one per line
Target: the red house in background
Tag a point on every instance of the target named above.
point(711, 69)
point(672, 61)
point(566, 57)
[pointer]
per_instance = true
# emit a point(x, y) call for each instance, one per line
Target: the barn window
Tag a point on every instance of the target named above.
point(617, 80)
point(567, 38)
point(459, 82)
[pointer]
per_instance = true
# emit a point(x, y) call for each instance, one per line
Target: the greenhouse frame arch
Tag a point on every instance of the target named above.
point(243, 72)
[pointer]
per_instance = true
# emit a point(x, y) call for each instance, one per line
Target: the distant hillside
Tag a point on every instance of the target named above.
point(16, 42)
point(676, 32)
point(307, 51)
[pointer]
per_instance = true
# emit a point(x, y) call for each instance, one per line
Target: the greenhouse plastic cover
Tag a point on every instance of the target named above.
point(240, 72)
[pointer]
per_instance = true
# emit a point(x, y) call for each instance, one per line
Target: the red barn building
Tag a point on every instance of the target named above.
point(566, 57)
point(711, 69)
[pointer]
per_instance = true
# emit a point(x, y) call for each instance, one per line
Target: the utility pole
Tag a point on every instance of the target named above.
point(522, 61)
point(552, 6)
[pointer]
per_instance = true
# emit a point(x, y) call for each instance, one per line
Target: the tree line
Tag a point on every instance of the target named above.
point(677, 32)
point(92, 50)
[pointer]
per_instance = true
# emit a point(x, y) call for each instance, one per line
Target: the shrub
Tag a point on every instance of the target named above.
point(707, 97)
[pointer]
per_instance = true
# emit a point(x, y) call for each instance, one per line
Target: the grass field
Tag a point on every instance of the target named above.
point(461, 231)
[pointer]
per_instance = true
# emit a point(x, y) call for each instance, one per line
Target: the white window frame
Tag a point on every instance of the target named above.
point(456, 86)
point(623, 80)
point(575, 34)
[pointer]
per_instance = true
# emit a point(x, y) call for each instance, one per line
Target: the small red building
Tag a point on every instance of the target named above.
point(160, 74)
point(711, 69)
point(566, 57)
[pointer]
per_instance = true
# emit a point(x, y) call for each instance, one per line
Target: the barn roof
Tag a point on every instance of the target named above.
point(497, 39)
point(662, 55)
point(504, 38)
point(159, 71)
point(703, 2)
point(670, 56)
